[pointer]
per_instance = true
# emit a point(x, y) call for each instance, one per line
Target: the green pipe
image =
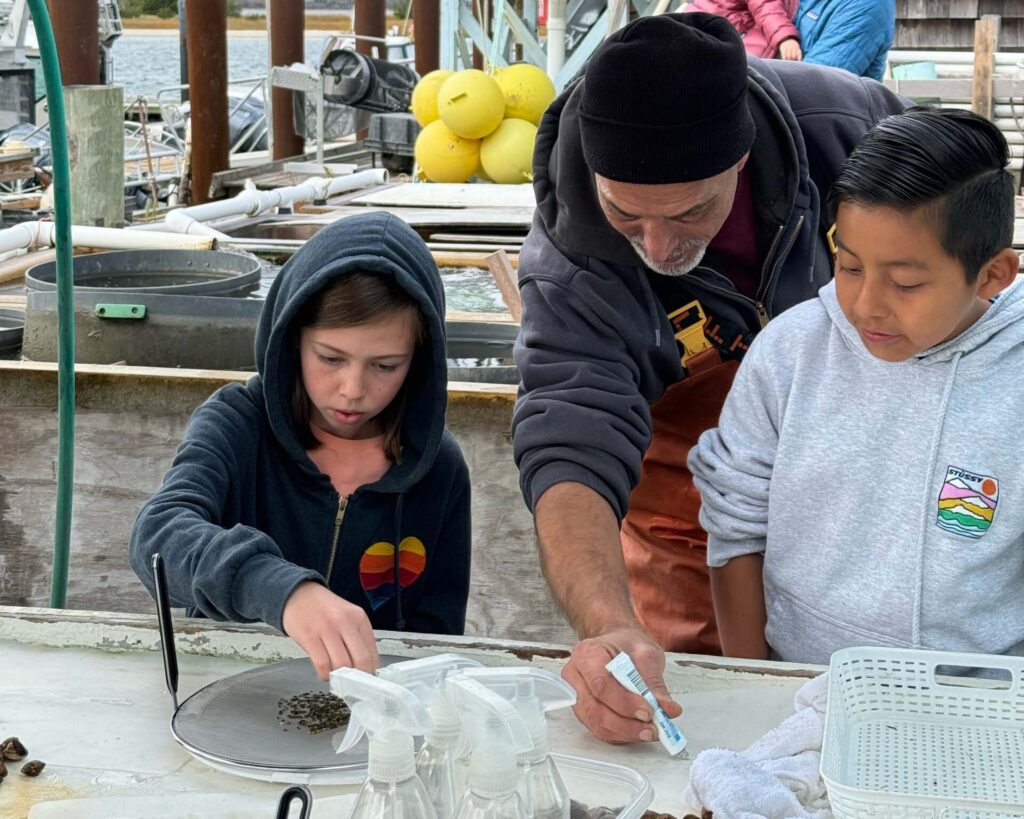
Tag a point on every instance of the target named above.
point(65, 311)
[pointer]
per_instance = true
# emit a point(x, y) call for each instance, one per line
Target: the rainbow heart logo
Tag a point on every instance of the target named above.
point(377, 568)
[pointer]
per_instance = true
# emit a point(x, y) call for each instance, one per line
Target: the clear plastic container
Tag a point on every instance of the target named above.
point(906, 737)
point(592, 784)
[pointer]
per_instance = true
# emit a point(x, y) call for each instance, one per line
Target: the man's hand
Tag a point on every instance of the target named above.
point(332, 631)
point(790, 50)
point(602, 704)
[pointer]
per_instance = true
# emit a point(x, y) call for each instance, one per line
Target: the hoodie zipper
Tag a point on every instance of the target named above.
point(782, 256)
point(766, 281)
point(762, 312)
point(338, 520)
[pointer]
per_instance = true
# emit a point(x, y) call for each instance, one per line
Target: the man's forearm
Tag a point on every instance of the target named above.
point(581, 555)
point(738, 592)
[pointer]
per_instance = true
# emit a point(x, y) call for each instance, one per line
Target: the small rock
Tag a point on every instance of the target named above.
point(33, 768)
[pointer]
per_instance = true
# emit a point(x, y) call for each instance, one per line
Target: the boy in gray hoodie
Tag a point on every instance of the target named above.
point(866, 482)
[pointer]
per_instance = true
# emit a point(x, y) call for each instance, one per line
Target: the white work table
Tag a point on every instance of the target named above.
point(85, 692)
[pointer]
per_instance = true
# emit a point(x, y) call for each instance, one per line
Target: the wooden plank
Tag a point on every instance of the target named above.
point(507, 217)
point(986, 37)
point(114, 374)
point(481, 318)
point(956, 90)
point(11, 171)
point(450, 195)
point(1005, 8)
point(444, 258)
point(12, 270)
point(508, 283)
point(471, 247)
point(480, 238)
point(226, 181)
point(963, 9)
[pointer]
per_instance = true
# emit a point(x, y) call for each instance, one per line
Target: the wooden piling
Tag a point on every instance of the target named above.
point(986, 39)
point(426, 22)
point(286, 23)
point(370, 21)
point(76, 29)
point(95, 117)
point(207, 23)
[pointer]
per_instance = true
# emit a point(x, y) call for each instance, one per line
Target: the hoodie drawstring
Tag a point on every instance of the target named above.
point(399, 618)
point(653, 310)
point(926, 505)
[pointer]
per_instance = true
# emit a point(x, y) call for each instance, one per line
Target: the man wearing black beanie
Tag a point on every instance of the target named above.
point(679, 192)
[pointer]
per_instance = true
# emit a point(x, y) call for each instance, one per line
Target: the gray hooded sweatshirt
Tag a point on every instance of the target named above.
point(887, 498)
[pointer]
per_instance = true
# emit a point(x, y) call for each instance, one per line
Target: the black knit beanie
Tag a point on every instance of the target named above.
point(665, 100)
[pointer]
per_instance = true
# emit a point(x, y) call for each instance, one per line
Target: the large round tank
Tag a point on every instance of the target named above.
point(169, 272)
point(12, 327)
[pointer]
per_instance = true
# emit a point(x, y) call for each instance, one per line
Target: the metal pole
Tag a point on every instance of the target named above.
point(287, 23)
point(76, 29)
point(182, 50)
point(426, 16)
point(207, 23)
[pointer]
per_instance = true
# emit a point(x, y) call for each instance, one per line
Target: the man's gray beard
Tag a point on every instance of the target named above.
point(693, 249)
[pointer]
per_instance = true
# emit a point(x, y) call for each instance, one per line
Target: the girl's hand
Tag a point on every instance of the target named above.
point(790, 50)
point(332, 631)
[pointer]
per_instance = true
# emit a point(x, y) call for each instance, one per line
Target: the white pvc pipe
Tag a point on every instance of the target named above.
point(950, 57)
point(252, 202)
point(43, 234)
point(556, 38)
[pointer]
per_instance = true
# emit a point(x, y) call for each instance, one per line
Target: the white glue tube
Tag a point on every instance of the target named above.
point(623, 670)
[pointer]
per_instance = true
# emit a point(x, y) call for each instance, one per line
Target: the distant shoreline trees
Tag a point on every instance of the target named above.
point(165, 8)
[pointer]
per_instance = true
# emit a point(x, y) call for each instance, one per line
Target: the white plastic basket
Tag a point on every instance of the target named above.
point(905, 742)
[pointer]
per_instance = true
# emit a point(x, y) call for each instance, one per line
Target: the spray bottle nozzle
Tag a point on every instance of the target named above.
point(379, 707)
point(533, 691)
point(495, 731)
point(526, 685)
point(426, 671)
point(425, 678)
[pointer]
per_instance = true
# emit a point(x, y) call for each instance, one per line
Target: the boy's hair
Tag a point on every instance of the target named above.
point(358, 298)
point(951, 162)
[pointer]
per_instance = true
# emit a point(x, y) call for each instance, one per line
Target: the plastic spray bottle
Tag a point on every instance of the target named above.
point(442, 772)
point(534, 692)
point(497, 735)
point(391, 716)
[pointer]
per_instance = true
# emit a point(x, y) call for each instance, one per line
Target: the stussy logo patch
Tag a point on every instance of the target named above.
point(967, 503)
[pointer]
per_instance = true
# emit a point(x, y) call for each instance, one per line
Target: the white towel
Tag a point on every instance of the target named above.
point(777, 777)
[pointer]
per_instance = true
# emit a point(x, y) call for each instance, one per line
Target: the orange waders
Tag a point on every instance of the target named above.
point(664, 547)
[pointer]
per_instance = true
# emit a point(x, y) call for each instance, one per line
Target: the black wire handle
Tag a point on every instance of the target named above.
point(163, 611)
point(300, 792)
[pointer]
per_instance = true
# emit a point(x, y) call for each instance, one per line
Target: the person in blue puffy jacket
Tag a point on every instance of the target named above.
point(850, 34)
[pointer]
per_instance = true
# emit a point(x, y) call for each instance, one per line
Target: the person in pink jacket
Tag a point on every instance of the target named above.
point(766, 26)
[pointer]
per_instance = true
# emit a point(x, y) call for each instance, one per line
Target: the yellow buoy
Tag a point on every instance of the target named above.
point(507, 155)
point(444, 156)
point(424, 95)
point(528, 91)
point(471, 103)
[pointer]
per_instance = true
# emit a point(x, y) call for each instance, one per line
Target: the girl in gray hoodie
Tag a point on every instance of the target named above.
point(865, 483)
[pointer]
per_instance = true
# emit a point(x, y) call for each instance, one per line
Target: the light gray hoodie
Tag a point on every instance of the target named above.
point(887, 498)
